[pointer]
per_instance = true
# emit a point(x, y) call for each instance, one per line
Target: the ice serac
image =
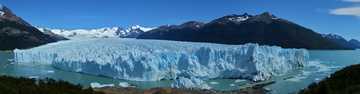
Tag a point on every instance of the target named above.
point(190, 83)
point(154, 60)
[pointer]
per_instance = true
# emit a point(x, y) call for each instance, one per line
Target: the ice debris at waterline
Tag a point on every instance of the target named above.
point(125, 84)
point(154, 60)
point(192, 83)
point(97, 85)
point(214, 83)
point(239, 80)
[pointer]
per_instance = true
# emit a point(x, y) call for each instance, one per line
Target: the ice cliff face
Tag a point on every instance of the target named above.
point(192, 83)
point(153, 60)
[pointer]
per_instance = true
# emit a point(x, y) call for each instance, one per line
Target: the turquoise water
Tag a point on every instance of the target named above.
point(322, 64)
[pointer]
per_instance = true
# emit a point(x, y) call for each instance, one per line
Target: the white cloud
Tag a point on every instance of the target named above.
point(351, 0)
point(353, 11)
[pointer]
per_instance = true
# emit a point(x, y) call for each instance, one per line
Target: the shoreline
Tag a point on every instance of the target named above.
point(257, 89)
point(6, 51)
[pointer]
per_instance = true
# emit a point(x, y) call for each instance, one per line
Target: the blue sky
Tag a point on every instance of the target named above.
point(341, 17)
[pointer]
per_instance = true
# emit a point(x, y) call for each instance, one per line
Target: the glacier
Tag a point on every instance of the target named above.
point(154, 60)
point(190, 83)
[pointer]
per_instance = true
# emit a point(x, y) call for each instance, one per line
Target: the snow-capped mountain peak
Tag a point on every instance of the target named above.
point(141, 28)
point(135, 27)
point(134, 31)
point(105, 32)
point(332, 36)
point(52, 35)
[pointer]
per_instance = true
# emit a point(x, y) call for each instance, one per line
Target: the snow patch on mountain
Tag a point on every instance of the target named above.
point(2, 13)
point(154, 60)
point(332, 36)
point(239, 19)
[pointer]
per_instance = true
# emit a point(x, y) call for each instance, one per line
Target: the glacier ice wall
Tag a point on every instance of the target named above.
point(190, 83)
point(153, 60)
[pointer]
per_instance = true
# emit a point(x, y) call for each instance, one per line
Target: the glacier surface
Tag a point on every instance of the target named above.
point(154, 60)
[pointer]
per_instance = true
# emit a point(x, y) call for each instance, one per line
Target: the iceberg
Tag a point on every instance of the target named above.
point(214, 83)
point(97, 85)
point(239, 80)
point(125, 84)
point(34, 77)
point(192, 83)
point(46, 72)
point(154, 60)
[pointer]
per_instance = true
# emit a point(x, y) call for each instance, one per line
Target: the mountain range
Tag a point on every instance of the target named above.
point(264, 29)
point(106, 32)
point(17, 33)
point(353, 43)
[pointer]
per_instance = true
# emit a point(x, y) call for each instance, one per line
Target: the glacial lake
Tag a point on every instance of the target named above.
point(322, 64)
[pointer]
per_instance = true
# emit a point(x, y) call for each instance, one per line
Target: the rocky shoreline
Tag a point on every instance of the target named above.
point(257, 89)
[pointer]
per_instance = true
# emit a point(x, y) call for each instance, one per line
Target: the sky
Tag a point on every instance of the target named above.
point(341, 17)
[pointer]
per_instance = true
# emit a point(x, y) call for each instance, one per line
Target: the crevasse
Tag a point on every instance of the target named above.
point(154, 60)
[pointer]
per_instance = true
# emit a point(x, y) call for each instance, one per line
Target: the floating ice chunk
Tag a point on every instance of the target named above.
point(214, 83)
point(232, 85)
point(296, 79)
point(267, 88)
point(125, 84)
point(192, 83)
point(154, 60)
point(33, 77)
point(10, 60)
point(299, 77)
point(97, 85)
point(321, 67)
point(239, 80)
point(46, 72)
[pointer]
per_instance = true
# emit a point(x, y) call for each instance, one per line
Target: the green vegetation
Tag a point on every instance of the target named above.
point(21, 85)
point(345, 81)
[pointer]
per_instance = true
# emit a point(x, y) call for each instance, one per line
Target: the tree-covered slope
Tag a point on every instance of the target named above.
point(264, 29)
point(21, 85)
point(344, 81)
